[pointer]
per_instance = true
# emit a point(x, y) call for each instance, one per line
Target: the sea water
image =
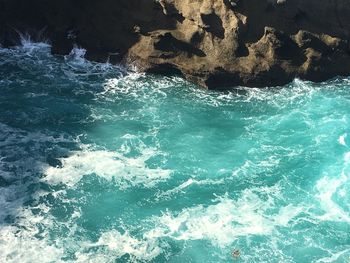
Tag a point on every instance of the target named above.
point(103, 164)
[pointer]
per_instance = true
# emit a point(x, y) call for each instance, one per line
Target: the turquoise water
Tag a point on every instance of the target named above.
point(100, 164)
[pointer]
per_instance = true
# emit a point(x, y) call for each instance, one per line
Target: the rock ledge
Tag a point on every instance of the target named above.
point(215, 43)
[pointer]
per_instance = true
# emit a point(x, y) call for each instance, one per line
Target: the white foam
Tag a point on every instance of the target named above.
point(76, 56)
point(29, 46)
point(30, 240)
point(342, 138)
point(21, 246)
point(334, 256)
point(327, 187)
point(19, 241)
point(188, 183)
point(126, 171)
point(120, 244)
point(122, 85)
point(13, 156)
point(139, 85)
point(222, 223)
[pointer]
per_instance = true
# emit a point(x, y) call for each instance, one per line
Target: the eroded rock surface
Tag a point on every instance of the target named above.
point(215, 43)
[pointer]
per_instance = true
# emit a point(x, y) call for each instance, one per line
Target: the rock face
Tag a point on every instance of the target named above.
point(215, 43)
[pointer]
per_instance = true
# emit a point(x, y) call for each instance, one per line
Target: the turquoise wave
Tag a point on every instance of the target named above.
point(99, 163)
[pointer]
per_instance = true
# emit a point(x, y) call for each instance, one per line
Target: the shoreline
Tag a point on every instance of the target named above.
point(215, 44)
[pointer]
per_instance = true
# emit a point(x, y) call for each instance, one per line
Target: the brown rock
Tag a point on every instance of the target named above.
point(215, 43)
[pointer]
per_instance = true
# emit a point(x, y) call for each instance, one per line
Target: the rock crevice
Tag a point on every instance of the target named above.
point(215, 43)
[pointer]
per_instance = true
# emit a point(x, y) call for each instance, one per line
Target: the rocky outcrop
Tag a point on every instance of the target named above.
point(215, 43)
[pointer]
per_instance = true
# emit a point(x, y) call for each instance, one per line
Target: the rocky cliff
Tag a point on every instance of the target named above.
point(215, 43)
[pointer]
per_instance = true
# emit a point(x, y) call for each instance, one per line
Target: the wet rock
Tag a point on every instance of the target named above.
point(215, 43)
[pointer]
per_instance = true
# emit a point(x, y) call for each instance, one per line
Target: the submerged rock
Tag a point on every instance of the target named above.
point(215, 43)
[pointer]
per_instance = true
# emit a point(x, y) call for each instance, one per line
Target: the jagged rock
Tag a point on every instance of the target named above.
point(215, 43)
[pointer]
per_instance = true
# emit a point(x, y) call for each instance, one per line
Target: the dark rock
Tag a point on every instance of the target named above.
point(215, 43)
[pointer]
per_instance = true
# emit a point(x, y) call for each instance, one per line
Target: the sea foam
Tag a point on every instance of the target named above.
point(125, 171)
